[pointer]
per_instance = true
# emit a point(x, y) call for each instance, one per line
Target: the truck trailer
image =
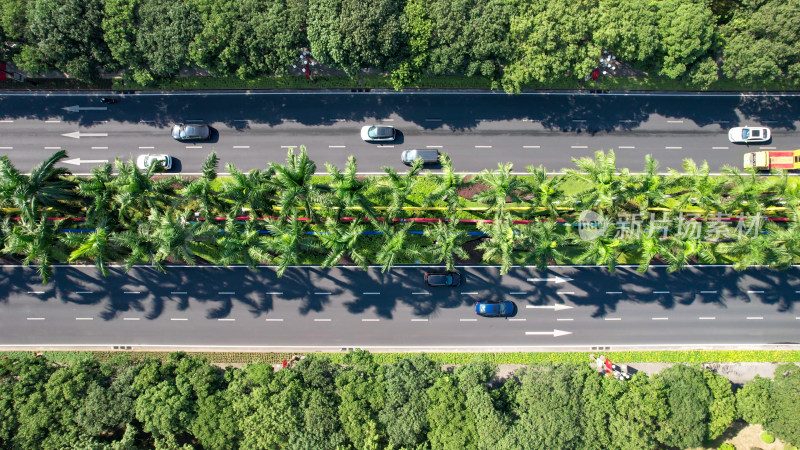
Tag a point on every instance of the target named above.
point(772, 159)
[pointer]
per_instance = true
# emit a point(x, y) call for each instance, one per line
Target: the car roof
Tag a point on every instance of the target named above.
point(379, 130)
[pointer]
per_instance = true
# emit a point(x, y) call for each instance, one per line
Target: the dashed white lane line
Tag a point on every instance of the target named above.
point(83, 292)
point(766, 148)
point(371, 293)
point(84, 318)
point(467, 320)
point(130, 318)
point(132, 292)
point(6, 121)
point(469, 293)
point(565, 292)
point(755, 318)
point(707, 318)
point(52, 121)
point(226, 293)
point(178, 292)
point(226, 320)
point(322, 293)
point(419, 320)
point(99, 148)
point(564, 320)
point(614, 292)
point(660, 292)
point(659, 318)
point(385, 146)
point(178, 318)
point(386, 120)
point(579, 120)
point(274, 293)
point(274, 320)
point(720, 148)
point(322, 320)
point(434, 146)
point(288, 146)
point(370, 320)
point(674, 121)
point(483, 146)
point(626, 146)
point(708, 292)
point(420, 293)
point(517, 320)
point(433, 120)
point(52, 148)
point(35, 318)
point(755, 292)
point(578, 146)
point(35, 292)
point(146, 148)
point(518, 293)
point(531, 146)
point(673, 148)
point(337, 146)
point(194, 146)
point(241, 146)
point(613, 318)
point(6, 148)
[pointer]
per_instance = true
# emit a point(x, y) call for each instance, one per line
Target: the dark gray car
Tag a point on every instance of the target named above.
point(191, 132)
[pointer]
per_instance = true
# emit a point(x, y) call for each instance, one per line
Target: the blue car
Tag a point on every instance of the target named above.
point(495, 309)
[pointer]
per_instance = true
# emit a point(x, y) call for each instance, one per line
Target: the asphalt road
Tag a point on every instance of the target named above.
point(212, 307)
point(477, 129)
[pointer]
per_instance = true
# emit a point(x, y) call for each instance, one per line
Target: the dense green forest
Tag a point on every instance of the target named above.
point(512, 42)
point(285, 215)
point(411, 403)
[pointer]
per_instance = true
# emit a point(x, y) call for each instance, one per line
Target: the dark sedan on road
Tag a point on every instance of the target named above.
point(442, 279)
point(191, 132)
point(495, 309)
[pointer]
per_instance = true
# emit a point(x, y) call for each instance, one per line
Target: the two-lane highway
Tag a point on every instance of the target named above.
point(477, 129)
point(579, 307)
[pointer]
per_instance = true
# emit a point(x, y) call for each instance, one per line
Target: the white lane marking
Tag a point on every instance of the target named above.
point(469, 293)
point(797, 292)
point(52, 121)
point(178, 293)
point(322, 320)
point(130, 318)
point(226, 293)
point(613, 292)
point(564, 320)
point(707, 318)
point(433, 120)
point(99, 148)
point(274, 293)
point(627, 120)
point(626, 146)
point(579, 120)
point(84, 318)
point(194, 146)
point(6, 121)
point(755, 318)
point(578, 146)
point(720, 148)
point(766, 148)
point(660, 292)
point(35, 292)
point(566, 292)
point(659, 318)
point(385, 146)
point(226, 320)
point(419, 320)
point(517, 320)
point(386, 120)
point(467, 320)
point(518, 293)
point(274, 320)
point(337, 146)
point(288, 146)
point(322, 293)
point(35, 318)
point(483, 146)
point(146, 148)
point(132, 292)
point(420, 293)
point(674, 121)
point(6, 148)
point(708, 292)
point(370, 320)
point(755, 292)
point(340, 120)
point(178, 318)
point(52, 148)
point(241, 146)
point(613, 318)
point(531, 146)
point(371, 293)
point(83, 292)
point(673, 148)
point(433, 146)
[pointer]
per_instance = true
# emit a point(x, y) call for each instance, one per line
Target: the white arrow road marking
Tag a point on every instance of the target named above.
point(556, 307)
point(556, 279)
point(78, 135)
point(78, 161)
point(554, 333)
point(77, 108)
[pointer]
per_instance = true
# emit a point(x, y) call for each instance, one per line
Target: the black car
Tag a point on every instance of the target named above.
point(442, 279)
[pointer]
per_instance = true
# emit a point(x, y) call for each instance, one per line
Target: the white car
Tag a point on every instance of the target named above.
point(378, 133)
point(145, 161)
point(746, 135)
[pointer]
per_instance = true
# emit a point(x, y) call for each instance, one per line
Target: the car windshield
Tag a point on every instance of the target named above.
point(379, 132)
point(488, 308)
point(745, 133)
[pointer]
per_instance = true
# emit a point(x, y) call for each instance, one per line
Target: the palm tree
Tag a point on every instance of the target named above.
point(543, 191)
point(500, 184)
point(606, 188)
point(701, 189)
point(649, 189)
point(447, 186)
point(139, 249)
point(446, 243)
point(604, 250)
point(542, 242)
point(38, 242)
point(98, 193)
point(293, 184)
point(287, 241)
point(174, 237)
point(200, 193)
point(647, 246)
point(243, 242)
point(347, 191)
point(757, 250)
point(342, 241)
point(252, 190)
point(499, 246)
point(680, 251)
point(398, 187)
point(396, 246)
point(45, 187)
point(746, 190)
point(136, 192)
point(99, 246)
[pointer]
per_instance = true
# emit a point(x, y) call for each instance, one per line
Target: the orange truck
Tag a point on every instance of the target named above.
point(772, 159)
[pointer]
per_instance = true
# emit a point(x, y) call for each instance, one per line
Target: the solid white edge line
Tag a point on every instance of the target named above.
point(374, 266)
point(419, 348)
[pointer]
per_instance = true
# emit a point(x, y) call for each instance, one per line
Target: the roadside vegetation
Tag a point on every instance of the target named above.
point(284, 215)
point(184, 402)
point(508, 44)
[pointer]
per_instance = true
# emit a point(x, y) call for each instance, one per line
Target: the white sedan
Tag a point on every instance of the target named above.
point(746, 135)
point(145, 161)
point(378, 133)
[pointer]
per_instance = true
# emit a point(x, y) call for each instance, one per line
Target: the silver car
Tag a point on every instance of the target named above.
point(144, 162)
point(191, 132)
point(378, 133)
